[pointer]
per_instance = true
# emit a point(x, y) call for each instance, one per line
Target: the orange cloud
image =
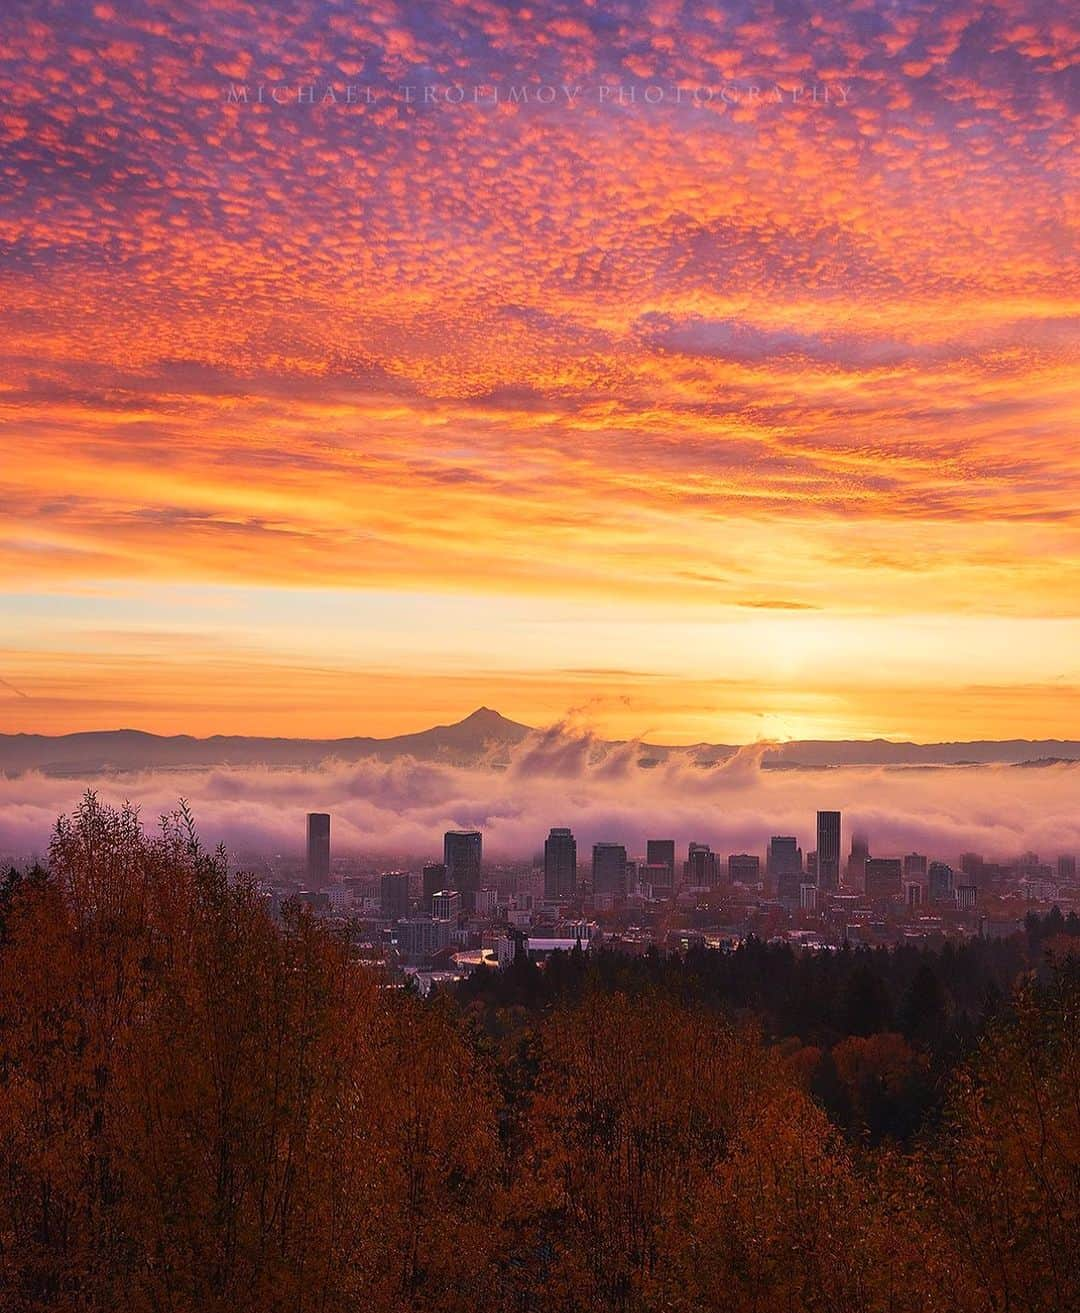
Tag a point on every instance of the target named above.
point(688, 308)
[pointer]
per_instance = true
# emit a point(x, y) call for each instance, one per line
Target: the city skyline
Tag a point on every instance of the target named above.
point(612, 864)
point(718, 415)
point(448, 918)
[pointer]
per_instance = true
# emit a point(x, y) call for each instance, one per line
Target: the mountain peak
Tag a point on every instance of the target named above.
point(483, 714)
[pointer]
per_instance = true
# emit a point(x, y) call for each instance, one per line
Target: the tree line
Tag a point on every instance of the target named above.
point(203, 1109)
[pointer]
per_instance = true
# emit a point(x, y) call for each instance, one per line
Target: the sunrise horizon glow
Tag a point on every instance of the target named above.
point(549, 368)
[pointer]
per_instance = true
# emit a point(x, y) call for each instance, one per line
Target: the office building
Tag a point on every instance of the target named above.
point(434, 880)
point(609, 871)
point(657, 879)
point(463, 859)
point(784, 867)
point(485, 901)
point(973, 868)
point(855, 874)
point(560, 866)
point(967, 895)
point(446, 905)
point(884, 878)
point(828, 850)
point(394, 895)
point(744, 868)
point(318, 848)
point(941, 883)
point(1066, 869)
point(700, 869)
point(915, 867)
point(661, 852)
point(419, 940)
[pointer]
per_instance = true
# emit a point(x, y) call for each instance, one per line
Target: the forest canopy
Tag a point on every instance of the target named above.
point(204, 1107)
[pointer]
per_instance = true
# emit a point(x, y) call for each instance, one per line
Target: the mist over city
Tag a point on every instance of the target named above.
point(400, 806)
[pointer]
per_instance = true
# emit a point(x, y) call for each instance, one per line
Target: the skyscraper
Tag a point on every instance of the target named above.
point(855, 874)
point(915, 866)
point(884, 878)
point(318, 848)
point(941, 882)
point(828, 850)
point(394, 895)
point(560, 866)
point(699, 870)
point(783, 866)
point(608, 871)
point(661, 852)
point(744, 868)
point(446, 905)
point(974, 868)
point(657, 880)
point(434, 877)
point(463, 859)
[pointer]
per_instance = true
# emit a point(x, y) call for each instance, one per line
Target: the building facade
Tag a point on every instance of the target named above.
point(560, 866)
point(318, 848)
point(609, 871)
point(828, 850)
point(463, 857)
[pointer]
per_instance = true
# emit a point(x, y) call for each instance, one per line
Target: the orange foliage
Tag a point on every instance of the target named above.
point(202, 1110)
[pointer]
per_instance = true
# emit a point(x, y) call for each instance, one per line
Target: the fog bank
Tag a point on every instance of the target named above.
point(565, 776)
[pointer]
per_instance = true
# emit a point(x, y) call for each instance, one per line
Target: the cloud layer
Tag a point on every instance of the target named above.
point(564, 777)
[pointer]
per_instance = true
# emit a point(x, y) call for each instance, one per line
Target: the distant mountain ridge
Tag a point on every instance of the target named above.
point(485, 734)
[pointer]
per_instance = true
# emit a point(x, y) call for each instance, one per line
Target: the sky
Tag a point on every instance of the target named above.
point(704, 372)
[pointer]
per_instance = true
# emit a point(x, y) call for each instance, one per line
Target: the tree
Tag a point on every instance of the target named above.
point(1004, 1181)
point(864, 1007)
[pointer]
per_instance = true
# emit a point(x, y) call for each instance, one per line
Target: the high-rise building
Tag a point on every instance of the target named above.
point(657, 879)
point(1066, 869)
point(743, 868)
point(318, 848)
point(855, 874)
point(699, 869)
point(915, 867)
point(394, 895)
point(485, 901)
point(446, 905)
point(608, 871)
point(421, 939)
point(434, 878)
point(661, 852)
point(783, 866)
point(560, 866)
point(463, 858)
point(973, 866)
point(828, 850)
point(941, 883)
point(884, 877)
